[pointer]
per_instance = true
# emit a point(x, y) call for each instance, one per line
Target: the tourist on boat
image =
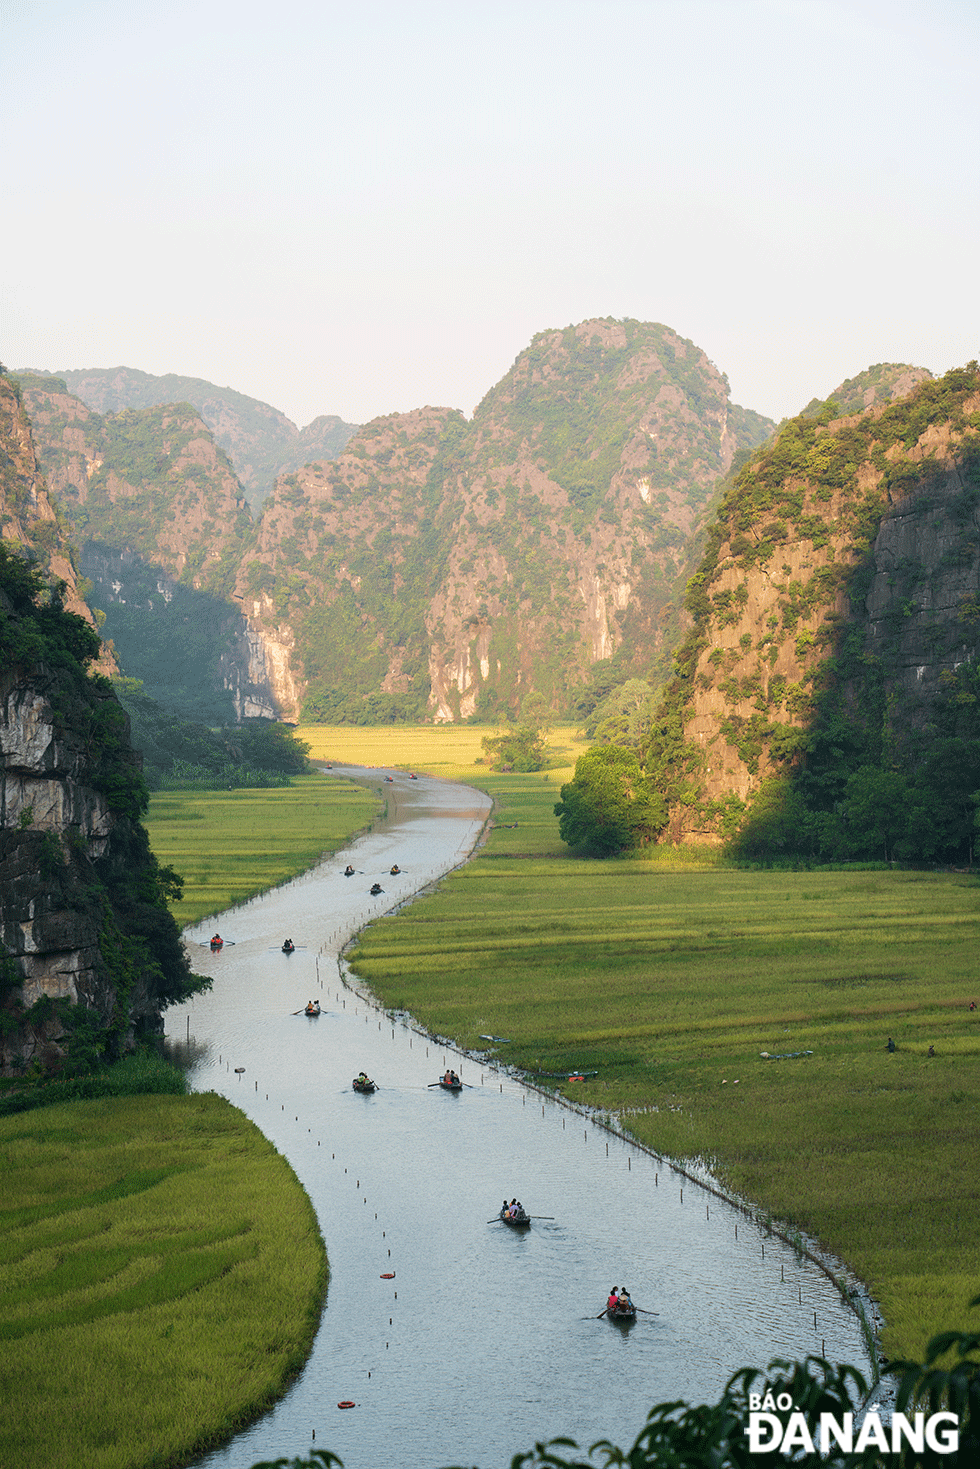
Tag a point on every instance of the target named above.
point(448, 1078)
point(216, 939)
point(625, 1304)
point(395, 870)
point(375, 889)
point(348, 871)
point(613, 1300)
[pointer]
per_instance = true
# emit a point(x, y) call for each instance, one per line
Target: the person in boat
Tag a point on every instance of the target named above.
point(448, 1078)
point(613, 1301)
point(288, 946)
point(216, 940)
point(625, 1304)
point(348, 871)
point(453, 1079)
point(395, 870)
point(375, 889)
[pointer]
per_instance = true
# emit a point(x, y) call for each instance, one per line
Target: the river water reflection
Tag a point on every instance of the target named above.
point(486, 1339)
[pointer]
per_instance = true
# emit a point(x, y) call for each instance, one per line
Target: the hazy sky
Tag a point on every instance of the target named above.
point(364, 208)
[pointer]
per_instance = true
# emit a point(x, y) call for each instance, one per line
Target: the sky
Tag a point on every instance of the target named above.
point(363, 209)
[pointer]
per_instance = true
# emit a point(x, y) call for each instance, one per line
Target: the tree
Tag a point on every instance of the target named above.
point(609, 805)
point(521, 749)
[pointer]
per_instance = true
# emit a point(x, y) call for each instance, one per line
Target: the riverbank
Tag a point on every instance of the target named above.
point(673, 982)
point(148, 1313)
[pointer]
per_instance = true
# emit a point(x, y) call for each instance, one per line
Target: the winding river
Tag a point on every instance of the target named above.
point(485, 1339)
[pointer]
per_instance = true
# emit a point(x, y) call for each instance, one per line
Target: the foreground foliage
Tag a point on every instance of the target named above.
point(149, 1307)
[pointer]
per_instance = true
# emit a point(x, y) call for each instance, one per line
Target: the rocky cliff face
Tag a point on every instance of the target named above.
point(843, 574)
point(89, 954)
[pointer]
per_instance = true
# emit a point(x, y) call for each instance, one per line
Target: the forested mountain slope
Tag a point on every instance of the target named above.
point(831, 675)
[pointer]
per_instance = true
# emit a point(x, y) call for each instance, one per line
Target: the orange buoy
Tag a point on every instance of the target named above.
point(345, 1404)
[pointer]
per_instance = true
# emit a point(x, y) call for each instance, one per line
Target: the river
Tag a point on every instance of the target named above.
point(486, 1339)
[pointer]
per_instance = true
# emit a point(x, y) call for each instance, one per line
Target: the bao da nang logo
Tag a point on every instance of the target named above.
point(768, 1433)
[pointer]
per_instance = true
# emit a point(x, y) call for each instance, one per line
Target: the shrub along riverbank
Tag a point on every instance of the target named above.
point(673, 978)
point(148, 1313)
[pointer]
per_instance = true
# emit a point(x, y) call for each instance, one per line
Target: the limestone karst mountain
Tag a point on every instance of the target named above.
point(437, 568)
point(443, 568)
point(260, 442)
point(836, 620)
point(89, 954)
point(160, 524)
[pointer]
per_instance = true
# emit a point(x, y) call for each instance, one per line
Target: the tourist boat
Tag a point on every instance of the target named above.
point(288, 946)
point(522, 1220)
point(216, 944)
point(313, 1009)
point(364, 1085)
point(451, 1086)
point(622, 1316)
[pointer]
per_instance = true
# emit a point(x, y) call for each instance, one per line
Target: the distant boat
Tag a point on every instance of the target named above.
point(520, 1220)
point(451, 1086)
point(288, 946)
point(312, 1009)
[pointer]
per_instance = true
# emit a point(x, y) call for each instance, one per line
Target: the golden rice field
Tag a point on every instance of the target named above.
point(147, 1313)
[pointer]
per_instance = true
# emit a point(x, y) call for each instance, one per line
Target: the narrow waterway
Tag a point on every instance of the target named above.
point(485, 1339)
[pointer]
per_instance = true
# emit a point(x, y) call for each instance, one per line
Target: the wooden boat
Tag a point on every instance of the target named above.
point(622, 1317)
point(451, 1086)
point(521, 1221)
point(365, 1087)
point(313, 1009)
point(216, 944)
point(288, 946)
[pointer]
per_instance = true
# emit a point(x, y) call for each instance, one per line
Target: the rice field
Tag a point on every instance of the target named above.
point(147, 1313)
point(230, 845)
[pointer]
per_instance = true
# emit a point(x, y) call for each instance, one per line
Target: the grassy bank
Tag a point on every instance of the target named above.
point(147, 1314)
point(674, 973)
point(230, 845)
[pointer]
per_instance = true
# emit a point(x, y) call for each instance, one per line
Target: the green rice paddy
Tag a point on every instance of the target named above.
point(230, 845)
point(147, 1310)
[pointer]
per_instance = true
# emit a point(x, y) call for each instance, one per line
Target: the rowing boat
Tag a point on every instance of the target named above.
point(521, 1221)
point(450, 1086)
point(365, 1087)
point(622, 1316)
